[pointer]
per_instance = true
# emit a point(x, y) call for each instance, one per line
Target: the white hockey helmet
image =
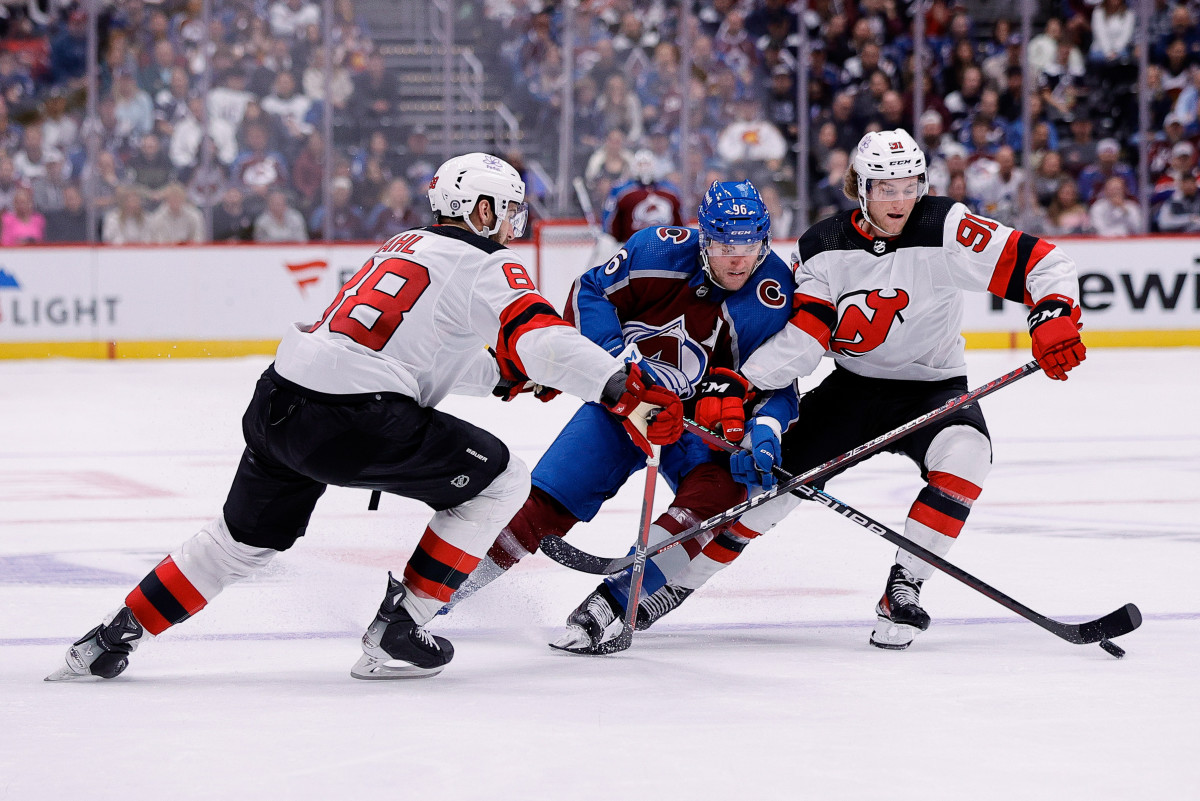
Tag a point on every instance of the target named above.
point(882, 155)
point(644, 166)
point(460, 182)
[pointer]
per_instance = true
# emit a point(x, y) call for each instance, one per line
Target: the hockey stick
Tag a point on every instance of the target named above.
point(623, 640)
point(585, 203)
point(1101, 630)
point(566, 554)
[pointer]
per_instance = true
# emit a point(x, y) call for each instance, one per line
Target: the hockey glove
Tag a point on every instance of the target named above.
point(513, 383)
point(506, 390)
point(752, 465)
point(1054, 326)
point(651, 414)
point(721, 403)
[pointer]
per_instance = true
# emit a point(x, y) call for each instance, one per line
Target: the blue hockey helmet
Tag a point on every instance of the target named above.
point(733, 214)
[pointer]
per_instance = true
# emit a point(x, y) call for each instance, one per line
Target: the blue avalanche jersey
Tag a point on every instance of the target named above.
point(654, 293)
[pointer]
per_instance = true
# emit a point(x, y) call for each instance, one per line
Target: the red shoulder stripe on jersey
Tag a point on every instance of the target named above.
point(526, 313)
point(814, 317)
point(954, 486)
point(438, 568)
point(1021, 254)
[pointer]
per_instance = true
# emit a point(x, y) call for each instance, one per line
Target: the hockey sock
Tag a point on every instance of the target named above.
point(164, 597)
point(958, 460)
point(456, 539)
point(716, 556)
point(663, 567)
point(540, 516)
point(192, 575)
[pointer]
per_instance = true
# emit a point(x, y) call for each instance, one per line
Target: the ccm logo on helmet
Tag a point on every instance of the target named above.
point(770, 294)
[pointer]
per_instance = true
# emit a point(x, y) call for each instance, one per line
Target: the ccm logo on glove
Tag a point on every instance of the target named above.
point(1054, 326)
point(721, 403)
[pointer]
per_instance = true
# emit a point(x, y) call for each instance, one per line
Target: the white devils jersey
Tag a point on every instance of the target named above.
point(416, 317)
point(892, 308)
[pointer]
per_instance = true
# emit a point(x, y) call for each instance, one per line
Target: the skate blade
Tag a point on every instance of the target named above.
point(371, 669)
point(64, 673)
point(893, 636)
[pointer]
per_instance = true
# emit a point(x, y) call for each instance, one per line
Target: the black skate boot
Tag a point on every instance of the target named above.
point(104, 651)
point(395, 647)
point(658, 603)
point(596, 626)
point(899, 610)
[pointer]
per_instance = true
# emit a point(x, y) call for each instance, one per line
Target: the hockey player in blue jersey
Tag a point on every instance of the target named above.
point(691, 305)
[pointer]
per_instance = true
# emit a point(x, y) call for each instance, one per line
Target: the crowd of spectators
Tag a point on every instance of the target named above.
point(156, 174)
point(155, 168)
point(742, 91)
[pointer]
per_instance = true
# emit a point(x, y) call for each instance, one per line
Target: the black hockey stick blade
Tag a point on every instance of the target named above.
point(568, 555)
point(1103, 629)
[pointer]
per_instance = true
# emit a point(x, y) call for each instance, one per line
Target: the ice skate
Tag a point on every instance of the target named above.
point(899, 610)
point(595, 627)
point(104, 651)
point(395, 647)
point(665, 599)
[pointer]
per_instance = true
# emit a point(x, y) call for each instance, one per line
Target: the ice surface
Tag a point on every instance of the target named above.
point(762, 685)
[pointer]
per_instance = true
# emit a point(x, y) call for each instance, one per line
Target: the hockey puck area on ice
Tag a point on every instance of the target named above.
point(1112, 648)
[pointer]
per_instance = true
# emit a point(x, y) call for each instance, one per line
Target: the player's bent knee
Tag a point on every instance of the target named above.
point(212, 559)
point(963, 451)
point(502, 498)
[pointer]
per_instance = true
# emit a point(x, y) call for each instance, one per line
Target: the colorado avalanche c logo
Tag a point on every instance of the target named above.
point(770, 294)
point(679, 360)
point(676, 235)
point(865, 318)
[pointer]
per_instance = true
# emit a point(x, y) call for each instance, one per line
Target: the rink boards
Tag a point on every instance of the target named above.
point(223, 300)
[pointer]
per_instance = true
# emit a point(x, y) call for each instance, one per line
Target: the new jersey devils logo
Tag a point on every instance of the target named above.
point(865, 318)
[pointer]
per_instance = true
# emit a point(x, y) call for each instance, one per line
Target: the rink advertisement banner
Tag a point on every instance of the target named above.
point(1147, 288)
point(217, 294)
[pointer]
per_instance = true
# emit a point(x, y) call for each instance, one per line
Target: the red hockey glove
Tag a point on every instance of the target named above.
point(721, 403)
point(652, 414)
point(1054, 326)
point(513, 383)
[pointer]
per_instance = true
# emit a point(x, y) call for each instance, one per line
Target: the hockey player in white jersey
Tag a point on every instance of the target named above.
point(350, 401)
point(880, 289)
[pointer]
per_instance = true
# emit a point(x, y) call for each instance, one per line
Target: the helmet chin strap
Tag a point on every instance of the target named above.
point(862, 205)
point(485, 232)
